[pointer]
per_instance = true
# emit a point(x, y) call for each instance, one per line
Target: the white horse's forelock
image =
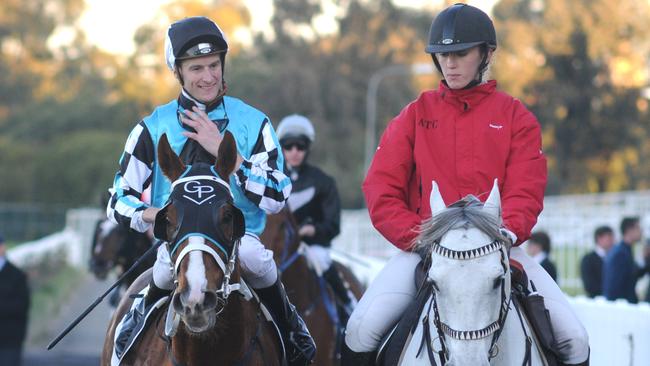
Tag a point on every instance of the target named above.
point(464, 213)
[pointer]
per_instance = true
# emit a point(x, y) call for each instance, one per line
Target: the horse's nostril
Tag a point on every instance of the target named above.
point(209, 300)
point(177, 303)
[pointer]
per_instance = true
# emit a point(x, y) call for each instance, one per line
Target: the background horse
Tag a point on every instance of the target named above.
point(469, 316)
point(314, 300)
point(215, 324)
point(116, 247)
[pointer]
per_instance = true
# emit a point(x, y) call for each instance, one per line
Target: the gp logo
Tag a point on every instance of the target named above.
point(197, 191)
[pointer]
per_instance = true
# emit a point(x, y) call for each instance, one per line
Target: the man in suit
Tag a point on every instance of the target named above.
point(14, 306)
point(591, 265)
point(539, 247)
point(620, 271)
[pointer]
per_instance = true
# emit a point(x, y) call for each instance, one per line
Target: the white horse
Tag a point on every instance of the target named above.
point(470, 318)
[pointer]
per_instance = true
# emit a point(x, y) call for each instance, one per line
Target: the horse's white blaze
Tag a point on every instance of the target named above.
point(105, 228)
point(196, 273)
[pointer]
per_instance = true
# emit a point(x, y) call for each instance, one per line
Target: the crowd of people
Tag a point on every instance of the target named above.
point(609, 270)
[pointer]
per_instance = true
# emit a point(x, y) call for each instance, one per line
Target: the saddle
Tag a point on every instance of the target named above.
point(531, 303)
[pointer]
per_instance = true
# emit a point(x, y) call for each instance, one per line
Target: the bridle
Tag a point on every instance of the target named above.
point(210, 243)
point(493, 329)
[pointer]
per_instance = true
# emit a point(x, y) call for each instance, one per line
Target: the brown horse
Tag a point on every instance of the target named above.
point(116, 247)
point(218, 322)
point(307, 292)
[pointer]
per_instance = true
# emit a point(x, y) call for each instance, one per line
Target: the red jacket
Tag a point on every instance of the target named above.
point(462, 139)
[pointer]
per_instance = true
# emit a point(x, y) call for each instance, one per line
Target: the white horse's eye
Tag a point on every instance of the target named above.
point(497, 282)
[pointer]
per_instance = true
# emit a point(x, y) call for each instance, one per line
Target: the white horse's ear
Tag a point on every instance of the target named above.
point(493, 202)
point(435, 199)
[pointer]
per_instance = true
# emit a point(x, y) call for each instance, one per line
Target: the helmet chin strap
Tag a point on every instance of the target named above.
point(215, 101)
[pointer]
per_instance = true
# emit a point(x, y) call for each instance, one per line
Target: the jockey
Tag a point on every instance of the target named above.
point(314, 202)
point(195, 51)
point(462, 135)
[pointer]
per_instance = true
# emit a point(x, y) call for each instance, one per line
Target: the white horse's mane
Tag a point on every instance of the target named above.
point(464, 213)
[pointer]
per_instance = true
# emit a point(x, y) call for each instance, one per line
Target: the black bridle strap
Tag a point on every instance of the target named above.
point(426, 336)
point(527, 356)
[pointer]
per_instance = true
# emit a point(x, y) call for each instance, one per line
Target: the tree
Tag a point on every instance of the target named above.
point(324, 75)
point(580, 66)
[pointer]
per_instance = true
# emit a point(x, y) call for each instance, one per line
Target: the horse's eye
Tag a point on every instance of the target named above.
point(497, 282)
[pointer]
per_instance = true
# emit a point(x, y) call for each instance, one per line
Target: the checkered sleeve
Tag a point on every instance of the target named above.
point(134, 176)
point(261, 177)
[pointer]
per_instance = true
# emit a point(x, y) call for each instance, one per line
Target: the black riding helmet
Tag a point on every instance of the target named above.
point(458, 28)
point(194, 37)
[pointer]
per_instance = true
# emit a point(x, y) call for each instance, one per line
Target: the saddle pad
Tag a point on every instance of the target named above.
point(149, 312)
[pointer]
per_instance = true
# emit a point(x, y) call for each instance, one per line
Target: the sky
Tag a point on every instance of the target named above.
point(111, 28)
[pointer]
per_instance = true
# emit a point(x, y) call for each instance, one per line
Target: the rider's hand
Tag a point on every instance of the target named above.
point(207, 133)
point(149, 214)
point(307, 231)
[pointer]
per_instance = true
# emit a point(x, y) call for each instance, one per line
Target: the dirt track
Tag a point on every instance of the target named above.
point(82, 346)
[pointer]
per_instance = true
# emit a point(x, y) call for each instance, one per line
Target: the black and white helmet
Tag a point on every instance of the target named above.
point(194, 37)
point(296, 126)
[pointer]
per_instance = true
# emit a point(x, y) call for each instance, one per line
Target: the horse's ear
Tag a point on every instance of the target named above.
point(226, 157)
point(435, 199)
point(493, 203)
point(169, 162)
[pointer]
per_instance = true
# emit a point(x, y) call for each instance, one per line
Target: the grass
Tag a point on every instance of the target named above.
point(48, 295)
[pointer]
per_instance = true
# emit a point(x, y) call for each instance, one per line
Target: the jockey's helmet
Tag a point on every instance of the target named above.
point(460, 27)
point(296, 127)
point(194, 37)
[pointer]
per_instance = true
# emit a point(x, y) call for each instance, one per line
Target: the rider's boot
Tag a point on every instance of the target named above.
point(348, 299)
point(136, 315)
point(299, 345)
point(585, 363)
point(351, 358)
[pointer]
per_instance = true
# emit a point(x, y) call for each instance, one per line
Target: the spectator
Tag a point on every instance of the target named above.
point(539, 247)
point(620, 271)
point(14, 306)
point(591, 266)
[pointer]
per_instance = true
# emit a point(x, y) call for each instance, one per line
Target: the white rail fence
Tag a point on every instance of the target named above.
point(74, 241)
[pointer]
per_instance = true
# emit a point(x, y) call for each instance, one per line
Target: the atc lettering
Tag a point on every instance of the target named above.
point(428, 124)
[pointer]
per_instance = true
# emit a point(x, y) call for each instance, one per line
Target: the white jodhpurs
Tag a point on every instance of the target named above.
point(319, 257)
point(383, 303)
point(393, 289)
point(256, 262)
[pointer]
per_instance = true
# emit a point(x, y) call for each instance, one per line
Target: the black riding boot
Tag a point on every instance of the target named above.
point(351, 358)
point(335, 281)
point(585, 363)
point(299, 345)
point(133, 319)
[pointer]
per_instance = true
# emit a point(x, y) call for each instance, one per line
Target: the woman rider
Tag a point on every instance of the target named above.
point(462, 136)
